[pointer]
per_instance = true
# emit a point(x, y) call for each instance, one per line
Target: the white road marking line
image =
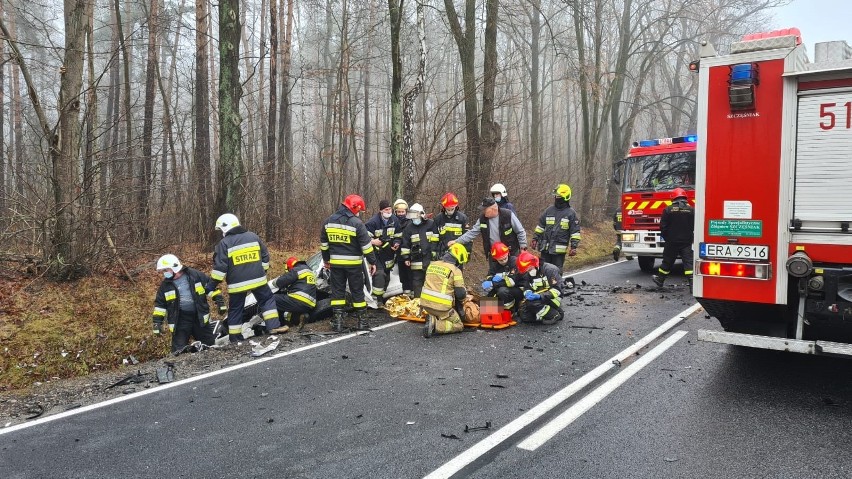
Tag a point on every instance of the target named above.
point(546, 432)
point(91, 407)
point(596, 267)
point(482, 447)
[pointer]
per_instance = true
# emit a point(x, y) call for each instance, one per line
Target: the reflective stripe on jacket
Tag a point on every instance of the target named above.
point(442, 279)
point(167, 300)
point(300, 283)
point(241, 259)
point(557, 230)
point(344, 240)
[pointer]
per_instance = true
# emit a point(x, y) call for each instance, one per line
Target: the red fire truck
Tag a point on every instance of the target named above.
point(648, 175)
point(773, 205)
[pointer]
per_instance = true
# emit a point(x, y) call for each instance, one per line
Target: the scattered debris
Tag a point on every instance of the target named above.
point(450, 436)
point(270, 420)
point(131, 379)
point(502, 376)
point(616, 362)
point(409, 423)
point(579, 326)
point(258, 351)
point(128, 391)
point(35, 411)
point(477, 428)
point(830, 402)
point(496, 386)
point(671, 459)
point(166, 374)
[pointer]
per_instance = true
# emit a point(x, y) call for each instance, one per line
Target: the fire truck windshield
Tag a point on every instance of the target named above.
point(660, 172)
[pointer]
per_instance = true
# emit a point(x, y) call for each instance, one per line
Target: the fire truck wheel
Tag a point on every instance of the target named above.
point(646, 263)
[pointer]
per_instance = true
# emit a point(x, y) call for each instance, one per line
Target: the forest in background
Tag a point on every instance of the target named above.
point(127, 127)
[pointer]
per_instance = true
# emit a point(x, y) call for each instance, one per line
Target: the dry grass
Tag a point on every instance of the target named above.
point(50, 330)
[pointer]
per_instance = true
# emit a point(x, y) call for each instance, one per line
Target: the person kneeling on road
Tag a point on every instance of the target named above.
point(443, 293)
point(501, 281)
point(543, 285)
point(182, 301)
point(295, 291)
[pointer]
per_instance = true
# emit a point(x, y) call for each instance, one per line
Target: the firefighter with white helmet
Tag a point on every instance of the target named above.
point(182, 301)
point(443, 293)
point(419, 245)
point(241, 259)
point(344, 243)
point(558, 230)
point(501, 196)
point(676, 227)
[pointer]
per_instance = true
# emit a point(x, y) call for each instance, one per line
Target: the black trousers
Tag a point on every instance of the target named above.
point(289, 307)
point(510, 297)
point(338, 279)
point(534, 312)
point(265, 307)
point(557, 260)
point(418, 279)
point(670, 253)
point(404, 275)
point(188, 325)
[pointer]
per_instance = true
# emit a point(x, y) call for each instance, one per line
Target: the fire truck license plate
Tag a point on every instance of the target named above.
point(733, 251)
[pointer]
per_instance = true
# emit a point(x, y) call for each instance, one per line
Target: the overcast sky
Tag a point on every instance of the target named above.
point(818, 20)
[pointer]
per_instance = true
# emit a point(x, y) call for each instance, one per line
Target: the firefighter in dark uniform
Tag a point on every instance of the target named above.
point(496, 224)
point(502, 281)
point(241, 259)
point(295, 290)
point(676, 227)
point(616, 225)
point(400, 211)
point(451, 223)
point(543, 284)
point(558, 230)
point(344, 243)
point(386, 232)
point(182, 301)
point(419, 242)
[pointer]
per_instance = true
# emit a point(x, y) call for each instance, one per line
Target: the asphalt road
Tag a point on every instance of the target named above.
point(391, 404)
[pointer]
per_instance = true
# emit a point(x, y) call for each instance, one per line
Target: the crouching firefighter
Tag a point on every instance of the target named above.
point(543, 284)
point(443, 293)
point(344, 243)
point(296, 291)
point(241, 259)
point(501, 281)
point(182, 301)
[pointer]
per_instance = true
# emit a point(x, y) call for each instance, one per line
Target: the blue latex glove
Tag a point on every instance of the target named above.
point(487, 285)
point(531, 296)
point(497, 278)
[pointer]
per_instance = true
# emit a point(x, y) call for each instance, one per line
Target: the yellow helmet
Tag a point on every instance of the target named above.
point(459, 252)
point(563, 191)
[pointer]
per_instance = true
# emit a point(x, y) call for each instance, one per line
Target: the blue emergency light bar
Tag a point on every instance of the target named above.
point(741, 82)
point(666, 141)
point(744, 74)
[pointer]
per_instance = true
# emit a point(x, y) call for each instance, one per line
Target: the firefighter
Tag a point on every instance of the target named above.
point(241, 259)
point(182, 301)
point(498, 192)
point(296, 291)
point(558, 230)
point(451, 223)
point(616, 225)
point(419, 243)
point(676, 228)
point(443, 293)
point(502, 280)
point(496, 224)
point(386, 232)
point(344, 243)
point(543, 284)
point(400, 210)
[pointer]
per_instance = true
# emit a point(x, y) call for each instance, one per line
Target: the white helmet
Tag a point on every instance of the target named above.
point(169, 261)
point(415, 211)
point(226, 222)
point(499, 188)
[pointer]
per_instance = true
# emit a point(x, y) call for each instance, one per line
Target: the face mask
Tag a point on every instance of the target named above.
point(417, 221)
point(169, 274)
point(533, 271)
point(450, 211)
point(386, 215)
point(400, 215)
point(498, 197)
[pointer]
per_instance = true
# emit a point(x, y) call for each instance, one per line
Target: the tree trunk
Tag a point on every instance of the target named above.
point(285, 131)
point(91, 160)
point(3, 173)
point(490, 129)
point(466, 43)
point(128, 112)
point(230, 168)
point(269, 161)
point(410, 186)
point(395, 8)
point(202, 164)
point(142, 206)
point(535, 93)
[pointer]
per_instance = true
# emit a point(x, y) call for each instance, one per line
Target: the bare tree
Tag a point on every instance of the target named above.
point(230, 167)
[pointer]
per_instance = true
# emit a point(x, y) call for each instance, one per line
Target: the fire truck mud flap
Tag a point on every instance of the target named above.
point(778, 344)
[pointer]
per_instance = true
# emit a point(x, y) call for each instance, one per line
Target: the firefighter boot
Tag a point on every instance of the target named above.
point(658, 280)
point(429, 326)
point(363, 322)
point(337, 320)
point(689, 280)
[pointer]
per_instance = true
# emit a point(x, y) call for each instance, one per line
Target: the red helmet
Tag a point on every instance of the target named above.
point(527, 261)
point(355, 203)
point(449, 200)
point(678, 193)
point(499, 250)
point(291, 261)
